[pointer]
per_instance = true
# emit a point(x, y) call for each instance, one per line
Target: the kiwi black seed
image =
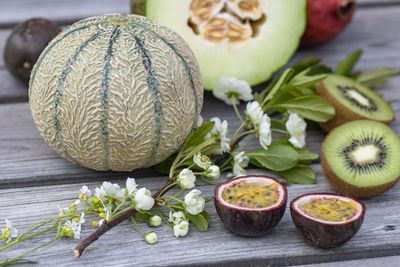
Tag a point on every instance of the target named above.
point(353, 101)
point(361, 158)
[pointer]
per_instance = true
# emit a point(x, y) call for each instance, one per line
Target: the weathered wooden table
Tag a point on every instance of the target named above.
point(34, 179)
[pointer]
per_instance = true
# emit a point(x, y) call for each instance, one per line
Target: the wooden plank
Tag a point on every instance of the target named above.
point(380, 41)
point(11, 89)
point(123, 246)
point(25, 158)
point(63, 12)
point(15, 11)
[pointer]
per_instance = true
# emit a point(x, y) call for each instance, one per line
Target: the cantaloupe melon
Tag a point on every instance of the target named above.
point(116, 92)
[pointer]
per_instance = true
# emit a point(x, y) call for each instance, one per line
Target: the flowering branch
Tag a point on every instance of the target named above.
point(106, 226)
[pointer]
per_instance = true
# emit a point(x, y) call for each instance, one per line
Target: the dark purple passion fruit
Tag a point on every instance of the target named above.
point(250, 205)
point(327, 220)
point(25, 44)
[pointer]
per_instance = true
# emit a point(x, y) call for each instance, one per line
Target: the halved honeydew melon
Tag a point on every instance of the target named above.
point(256, 39)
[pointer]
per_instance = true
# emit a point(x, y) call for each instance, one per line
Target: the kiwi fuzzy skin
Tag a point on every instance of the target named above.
point(343, 114)
point(350, 190)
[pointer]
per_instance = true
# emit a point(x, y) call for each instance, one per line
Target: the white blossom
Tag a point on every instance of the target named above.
point(130, 186)
point(296, 127)
point(264, 131)
point(186, 179)
point(213, 172)
point(176, 217)
point(199, 121)
point(231, 89)
point(240, 161)
point(201, 161)
point(181, 229)
point(110, 190)
point(9, 231)
point(143, 199)
point(151, 238)
point(220, 131)
point(155, 221)
point(194, 203)
point(254, 112)
point(76, 203)
point(62, 211)
point(81, 219)
point(85, 192)
point(72, 229)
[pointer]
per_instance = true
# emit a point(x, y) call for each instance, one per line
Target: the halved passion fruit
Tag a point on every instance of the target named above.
point(250, 205)
point(327, 220)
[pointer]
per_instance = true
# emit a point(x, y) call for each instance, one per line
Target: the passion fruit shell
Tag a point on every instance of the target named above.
point(247, 221)
point(322, 233)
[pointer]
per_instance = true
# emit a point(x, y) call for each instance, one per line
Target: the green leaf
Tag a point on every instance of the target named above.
point(165, 165)
point(210, 149)
point(206, 215)
point(278, 124)
point(305, 81)
point(376, 77)
point(281, 97)
point(313, 107)
point(208, 199)
point(304, 64)
point(281, 141)
point(319, 69)
point(306, 154)
point(346, 66)
point(276, 158)
point(283, 79)
point(197, 137)
point(301, 91)
point(144, 215)
point(300, 175)
point(200, 220)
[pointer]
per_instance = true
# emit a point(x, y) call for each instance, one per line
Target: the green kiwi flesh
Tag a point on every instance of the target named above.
point(361, 158)
point(353, 101)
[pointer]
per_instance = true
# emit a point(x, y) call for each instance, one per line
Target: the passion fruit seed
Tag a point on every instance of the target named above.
point(251, 195)
point(235, 20)
point(331, 210)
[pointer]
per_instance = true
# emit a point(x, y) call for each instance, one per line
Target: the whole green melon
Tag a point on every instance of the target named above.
point(116, 92)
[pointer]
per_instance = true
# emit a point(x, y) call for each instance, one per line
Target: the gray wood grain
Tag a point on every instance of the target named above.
point(375, 30)
point(63, 12)
point(15, 11)
point(123, 246)
point(25, 159)
point(34, 179)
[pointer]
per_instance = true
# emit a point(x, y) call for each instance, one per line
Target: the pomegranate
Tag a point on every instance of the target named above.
point(326, 19)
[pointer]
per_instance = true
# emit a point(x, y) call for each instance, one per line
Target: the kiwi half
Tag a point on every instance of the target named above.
point(353, 101)
point(361, 158)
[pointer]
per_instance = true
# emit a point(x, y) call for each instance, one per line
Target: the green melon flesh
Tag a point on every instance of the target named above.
point(343, 136)
point(253, 60)
point(383, 112)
